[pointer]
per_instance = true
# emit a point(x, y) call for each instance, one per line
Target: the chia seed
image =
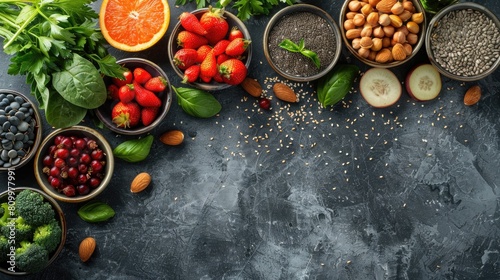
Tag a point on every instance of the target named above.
point(466, 42)
point(318, 37)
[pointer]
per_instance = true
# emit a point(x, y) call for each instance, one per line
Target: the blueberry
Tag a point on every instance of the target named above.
point(14, 120)
point(19, 136)
point(20, 115)
point(3, 118)
point(10, 136)
point(18, 145)
point(15, 161)
point(21, 153)
point(6, 126)
point(7, 164)
point(4, 155)
point(12, 154)
point(26, 105)
point(23, 126)
point(8, 145)
point(13, 129)
point(19, 99)
point(11, 97)
point(15, 105)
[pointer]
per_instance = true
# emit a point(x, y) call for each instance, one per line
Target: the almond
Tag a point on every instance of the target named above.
point(172, 137)
point(472, 95)
point(398, 52)
point(140, 182)
point(86, 248)
point(383, 56)
point(385, 6)
point(284, 92)
point(252, 87)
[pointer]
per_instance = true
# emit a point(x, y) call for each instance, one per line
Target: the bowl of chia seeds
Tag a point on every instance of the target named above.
point(302, 23)
point(463, 42)
point(20, 129)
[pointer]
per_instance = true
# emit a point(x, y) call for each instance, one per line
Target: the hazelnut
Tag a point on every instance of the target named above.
point(384, 20)
point(399, 37)
point(396, 21)
point(356, 43)
point(417, 17)
point(398, 52)
point(366, 42)
point(364, 52)
point(388, 30)
point(359, 20)
point(403, 29)
point(349, 24)
point(372, 55)
point(372, 19)
point(353, 33)
point(412, 38)
point(404, 16)
point(377, 44)
point(350, 15)
point(378, 32)
point(408, 48)
point(412, 27)
point(408, 5)
point(354, 6)
point(397, 8)
point(366, 31)
point(366, 10)
point(383, 56)
point(386, 42)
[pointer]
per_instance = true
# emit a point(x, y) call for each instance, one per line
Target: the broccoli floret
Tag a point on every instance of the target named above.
point(31, 257)
point(31, 206)
point(4, 248)
point(4, 209)
point(22, 231)
point(48, 236)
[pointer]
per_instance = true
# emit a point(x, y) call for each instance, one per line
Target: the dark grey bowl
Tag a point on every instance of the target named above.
point(104, 111)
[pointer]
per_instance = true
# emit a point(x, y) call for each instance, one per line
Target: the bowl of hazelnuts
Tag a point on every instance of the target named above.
point(383, 33)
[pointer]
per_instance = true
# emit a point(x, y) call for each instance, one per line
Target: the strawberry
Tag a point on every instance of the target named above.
point(126, 115)
point(184, 58)
point(221, 58)
point(221, 46)
point(235, 33)
point(215, 24)
point(156, 84)
point(141, 75)
point(126, 93)
point(190, 40)
point(218, 78)
point(208, 67)
point(233, 71)
point(202, 53)
point(148, 115)
point(144, 97)
point(113, 92)
point(191, 74)
point(205, 79)
point(127, 79)
point(237, 47)
point(191, 23)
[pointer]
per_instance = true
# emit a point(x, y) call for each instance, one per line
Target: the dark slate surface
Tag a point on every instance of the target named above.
point(300, 192)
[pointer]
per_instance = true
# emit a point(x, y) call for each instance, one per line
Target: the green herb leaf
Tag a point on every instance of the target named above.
point(197, 103)
point(61, 113)
point(94, 212)
point(334, 86)
point(134, 150)
point(290, 46)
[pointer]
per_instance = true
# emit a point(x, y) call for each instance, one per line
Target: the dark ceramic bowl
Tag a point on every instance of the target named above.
point(302, 8)
point(4, 197)
point(415, 48)
point(29, 153)
point(433, 25)
point(233, 21)
point(79, 131)
point(104, 111)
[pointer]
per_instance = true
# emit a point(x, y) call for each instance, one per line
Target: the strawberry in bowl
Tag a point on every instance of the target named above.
point(206, 39)
point(139, 102)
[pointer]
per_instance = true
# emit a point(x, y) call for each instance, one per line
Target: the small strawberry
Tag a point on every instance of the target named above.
point(126, 115)
point(127, 79)
point(148, 115)
point(144, 97)
point(221, 58)
point(233, 71)
point(156, 84)
point(221, 46)
point(126, 93)
point(184, 58)
point(113, 92)
point(215, 24)
point(191, 74)
point(237, 47)
point(202, 53)
point(191, 23)
point(190, 40)
point(208, 67)
point(141, 75)
point(235, 33)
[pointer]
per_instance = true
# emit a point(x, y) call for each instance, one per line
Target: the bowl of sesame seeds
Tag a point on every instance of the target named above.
point(463, 42)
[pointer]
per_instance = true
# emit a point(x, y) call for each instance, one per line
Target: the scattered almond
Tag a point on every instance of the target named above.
point(140, 182)
point(252, 87)
point(472, 95)
point(284, 92)
point(172, 137)
point(86, 248)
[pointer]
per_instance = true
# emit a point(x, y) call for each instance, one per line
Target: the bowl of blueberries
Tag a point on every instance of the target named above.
point(20, 129)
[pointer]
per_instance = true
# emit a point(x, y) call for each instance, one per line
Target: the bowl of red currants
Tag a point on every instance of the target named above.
point(74, 164)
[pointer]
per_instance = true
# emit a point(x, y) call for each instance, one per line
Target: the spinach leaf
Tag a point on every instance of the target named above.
point(61, 113)
point(96, 211)
point(334, 86)
point(197, 103)
point(80, 83)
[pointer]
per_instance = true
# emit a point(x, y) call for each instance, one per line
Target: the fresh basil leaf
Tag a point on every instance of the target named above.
point(80, 83)
point(197, 103)
point(95, 211)
point(134, 150)
point(334, 86)
point(61, 113)
point(290, 46)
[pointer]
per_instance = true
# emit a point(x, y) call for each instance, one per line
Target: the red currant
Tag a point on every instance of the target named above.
point(265, 103)
point(97, 154)
point(82, 178)
point(85, 158)
point(59, 162)
point(83, 189)
point(55, 183)
point(69, 190)
point(48, 160)
point(91, 144)
point(79, 144)
point(82, 168)
point(55, 171)
point(94, 182)
point(72, 161)
point(66, 143)
point(96, 166)
point(73, 172)
point(61, 153)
